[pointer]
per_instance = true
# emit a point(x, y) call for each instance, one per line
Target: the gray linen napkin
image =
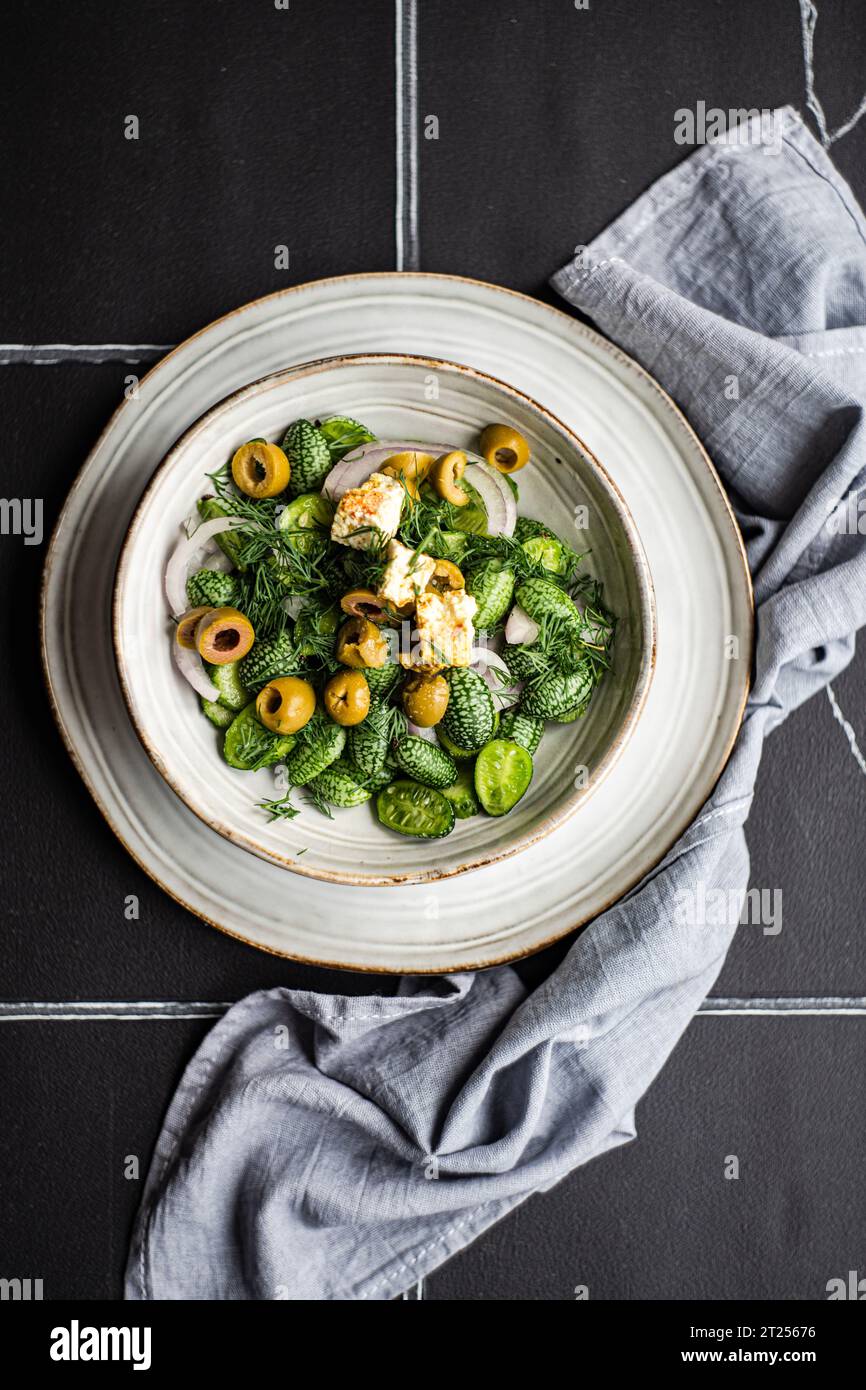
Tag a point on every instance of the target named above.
point(339, 1148)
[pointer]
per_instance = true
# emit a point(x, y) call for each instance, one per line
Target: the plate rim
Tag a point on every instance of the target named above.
point(646, 609)
point(576, 326)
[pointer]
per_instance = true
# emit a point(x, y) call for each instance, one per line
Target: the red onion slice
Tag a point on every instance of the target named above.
point(191, 667)
point(520, 628)
point(181, 558)
point(498, 499)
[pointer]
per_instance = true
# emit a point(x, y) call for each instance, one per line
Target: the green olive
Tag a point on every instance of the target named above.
point(285, 705)
point(425, 699)
point(504, 448)
point(347, 698)
point(360, 644)
point(363, 603)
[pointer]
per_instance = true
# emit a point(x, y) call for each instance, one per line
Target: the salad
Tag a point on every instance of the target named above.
point(375, 620)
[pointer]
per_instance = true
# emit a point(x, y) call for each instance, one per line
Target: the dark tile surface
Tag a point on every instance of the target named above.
point(657, 1219)
point(78, 1100)
point(654, 1220)
point(561, 116)
point(258, 128)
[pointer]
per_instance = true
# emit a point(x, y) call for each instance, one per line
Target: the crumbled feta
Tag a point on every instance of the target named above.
point(368, 514)
point(407, 575)
point(445, 629)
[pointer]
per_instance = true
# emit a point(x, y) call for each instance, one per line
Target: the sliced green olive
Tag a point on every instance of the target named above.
point(260, 469)
point(445, 476)
point(504, 448)
point(360, 644)
point(446, 577)
point(222, 635)
point(363, 603)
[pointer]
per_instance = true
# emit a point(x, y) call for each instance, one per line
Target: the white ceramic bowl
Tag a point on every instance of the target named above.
point(397, 397)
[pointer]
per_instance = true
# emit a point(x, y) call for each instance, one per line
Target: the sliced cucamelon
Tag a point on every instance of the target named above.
point(231, 543)
point(425, 761)
point(558, 694)
point(338, 785)
point(413, 809)
point(233, 694)
point(309, 456)
point(270, 657)
point(322, 744)
point(551, 554)
point(305, 522)
point(461, 794)
point(503, 771)
point(342, 435)
point(525, 729)
point(542, 598)
point(470, 717)
point(218, 714)
point(249, 745)
point(211, 588)
point(492, 587)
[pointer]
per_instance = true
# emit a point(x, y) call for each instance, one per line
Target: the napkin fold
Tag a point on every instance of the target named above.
point(323, 1147)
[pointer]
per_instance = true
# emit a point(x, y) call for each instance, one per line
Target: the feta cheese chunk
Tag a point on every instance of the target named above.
point(407, 575)
point(368, 514)
point(445, 629)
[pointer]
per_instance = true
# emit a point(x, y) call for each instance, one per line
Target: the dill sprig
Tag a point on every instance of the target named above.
point(281, 808)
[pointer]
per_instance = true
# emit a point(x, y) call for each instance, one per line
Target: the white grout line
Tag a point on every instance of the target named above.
point(846, 729)
point(406, 98)
point(68, 1010)
point(786, 1007)
point(49, 354)
point(808, 22)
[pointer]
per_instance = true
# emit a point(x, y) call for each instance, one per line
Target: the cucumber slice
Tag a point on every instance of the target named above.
point(249, 745)
point(342, 434)
point(461, 794)
point(307, 521)
point(217, 714)
point(411, 809)
point(503, 771)
point(233, 694)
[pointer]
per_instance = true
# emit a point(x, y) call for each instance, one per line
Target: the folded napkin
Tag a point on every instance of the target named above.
point(325, 1147)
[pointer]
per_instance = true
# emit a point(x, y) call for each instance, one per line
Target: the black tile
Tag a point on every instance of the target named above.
point(553, 119)
point(657, 1219)
point(79, 1100)
point(806, 842)
point(258, 127)
point(654, 1220)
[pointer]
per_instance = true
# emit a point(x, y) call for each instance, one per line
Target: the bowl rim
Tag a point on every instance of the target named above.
point(646, 609)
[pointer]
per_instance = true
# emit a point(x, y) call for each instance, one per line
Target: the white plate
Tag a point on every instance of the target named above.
point(703, 600)
point(562, 484)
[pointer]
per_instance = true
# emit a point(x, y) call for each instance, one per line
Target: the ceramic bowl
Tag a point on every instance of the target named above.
point(397, 397)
